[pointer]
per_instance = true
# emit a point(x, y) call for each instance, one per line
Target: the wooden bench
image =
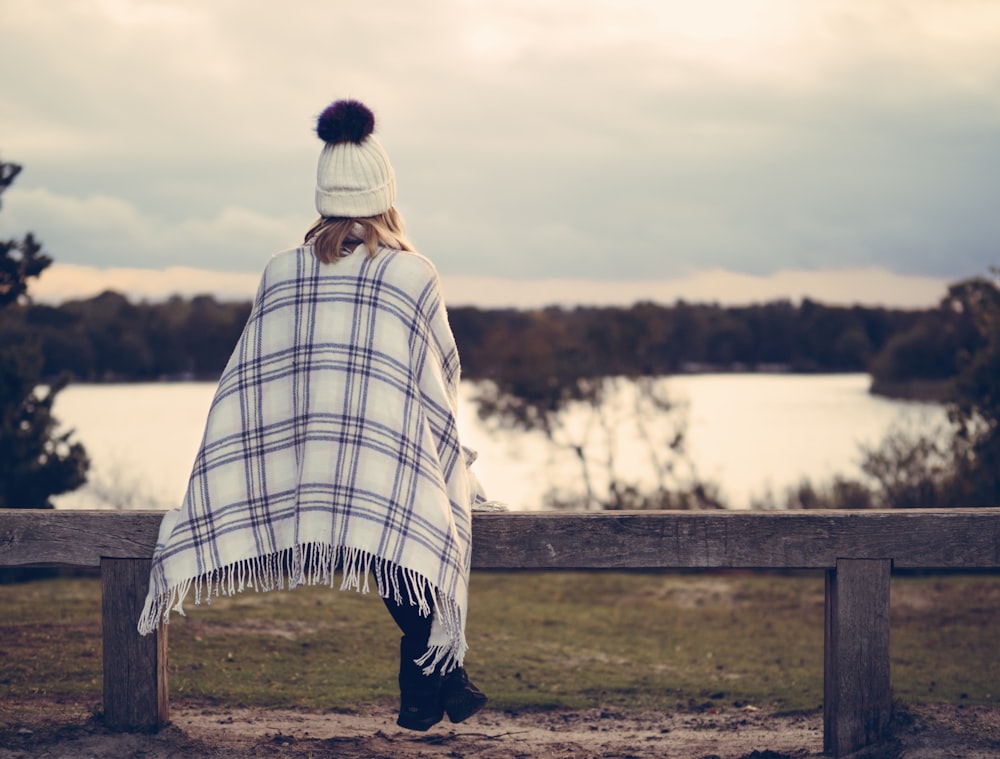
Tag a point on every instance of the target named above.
point(857, 550)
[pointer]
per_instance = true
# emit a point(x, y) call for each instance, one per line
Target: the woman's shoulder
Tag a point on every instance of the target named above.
point(288, 256)
point(409, 266)
point(282, 260)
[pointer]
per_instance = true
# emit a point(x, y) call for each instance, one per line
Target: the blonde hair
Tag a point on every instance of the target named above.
point(329, 235)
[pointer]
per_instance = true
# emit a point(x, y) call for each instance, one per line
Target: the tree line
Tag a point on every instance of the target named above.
point(112, 338)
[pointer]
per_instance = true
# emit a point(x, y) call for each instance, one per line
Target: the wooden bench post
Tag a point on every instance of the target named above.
point(135, 666)
point(857, 697)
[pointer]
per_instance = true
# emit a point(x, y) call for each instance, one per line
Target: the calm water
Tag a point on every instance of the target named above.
point(748, 433)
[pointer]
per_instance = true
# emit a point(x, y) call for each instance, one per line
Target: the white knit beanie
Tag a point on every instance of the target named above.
point(354, 177)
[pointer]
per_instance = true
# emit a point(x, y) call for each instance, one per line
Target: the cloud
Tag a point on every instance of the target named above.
point(103, 231)
point(533, 139)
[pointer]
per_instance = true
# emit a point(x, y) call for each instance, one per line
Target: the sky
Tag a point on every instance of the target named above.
point(546, 151)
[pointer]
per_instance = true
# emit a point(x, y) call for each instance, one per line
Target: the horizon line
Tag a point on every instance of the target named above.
point(868, 286)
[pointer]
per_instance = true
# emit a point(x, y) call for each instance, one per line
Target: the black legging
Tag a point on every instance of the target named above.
point(416, 627)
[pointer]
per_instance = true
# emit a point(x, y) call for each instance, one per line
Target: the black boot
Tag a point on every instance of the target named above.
point(420, 702)
point(460, 698)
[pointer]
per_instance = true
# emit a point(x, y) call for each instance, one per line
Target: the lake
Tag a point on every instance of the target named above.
point(748, 433)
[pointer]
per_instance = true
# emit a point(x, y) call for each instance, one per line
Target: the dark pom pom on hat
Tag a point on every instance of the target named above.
point(345, 121)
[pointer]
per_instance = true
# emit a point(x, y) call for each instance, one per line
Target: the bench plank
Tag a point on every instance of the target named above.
point(40, 538)
point(923, 539)
point(946, 538)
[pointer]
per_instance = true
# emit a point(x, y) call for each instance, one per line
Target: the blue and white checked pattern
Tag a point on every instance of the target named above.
point(332, 442)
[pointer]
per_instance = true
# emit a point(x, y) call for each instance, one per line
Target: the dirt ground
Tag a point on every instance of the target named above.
point(67, 731)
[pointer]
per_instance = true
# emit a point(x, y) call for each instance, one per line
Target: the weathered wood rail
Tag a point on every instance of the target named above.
point(857, 550)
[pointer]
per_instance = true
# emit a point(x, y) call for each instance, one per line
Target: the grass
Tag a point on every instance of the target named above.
point(616, 640)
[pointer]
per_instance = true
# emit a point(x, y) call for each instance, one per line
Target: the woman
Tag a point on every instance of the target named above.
point(332, 442)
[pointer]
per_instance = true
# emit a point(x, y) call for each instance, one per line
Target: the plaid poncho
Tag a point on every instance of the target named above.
point(332, 442)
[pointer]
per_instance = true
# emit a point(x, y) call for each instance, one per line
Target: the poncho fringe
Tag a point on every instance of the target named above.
point(317, 564)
